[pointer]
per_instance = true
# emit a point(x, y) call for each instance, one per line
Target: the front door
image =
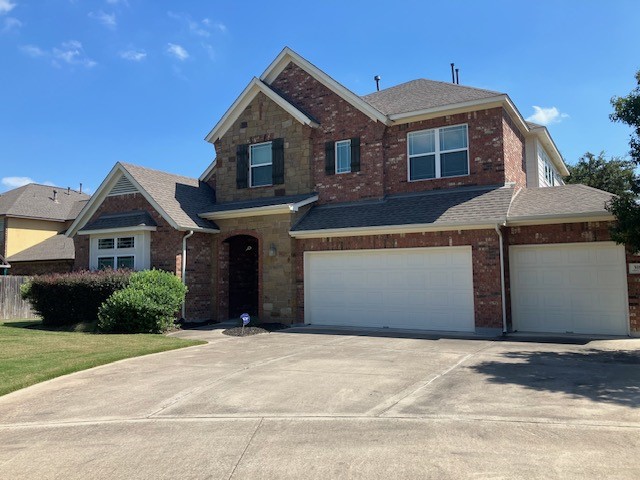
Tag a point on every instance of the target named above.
point(243, 275)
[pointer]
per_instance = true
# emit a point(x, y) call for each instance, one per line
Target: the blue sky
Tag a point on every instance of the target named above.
point(87, 83)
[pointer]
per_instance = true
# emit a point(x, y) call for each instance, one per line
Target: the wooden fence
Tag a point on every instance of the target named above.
point(12, 306)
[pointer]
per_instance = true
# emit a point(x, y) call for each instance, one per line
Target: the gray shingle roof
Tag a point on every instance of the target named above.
point(138, 218)
point(465, 205)
point(182, 198)
point(58, 247)
point(260, 202)
point(36, 201)
point(422, 94)
point(570, 200)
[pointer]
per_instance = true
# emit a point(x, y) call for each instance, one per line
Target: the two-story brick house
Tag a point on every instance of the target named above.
point(424, 205)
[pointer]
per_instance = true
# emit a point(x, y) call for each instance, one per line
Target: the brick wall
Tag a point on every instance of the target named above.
point(262, 121)
point(486, 152)
point(485, 259)
point(339, 120)
point(514, 152)
point(41, 267)
point(166, 253)
point(578, 233)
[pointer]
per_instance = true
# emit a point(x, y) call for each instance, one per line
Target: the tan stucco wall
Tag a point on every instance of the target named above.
point(22, 233)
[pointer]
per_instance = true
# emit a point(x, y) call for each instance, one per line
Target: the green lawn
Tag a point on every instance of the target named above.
point(29, 356)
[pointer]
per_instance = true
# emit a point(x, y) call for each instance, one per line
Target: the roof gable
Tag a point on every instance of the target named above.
point(248, 94)
point(176, 198)
point(287, 56)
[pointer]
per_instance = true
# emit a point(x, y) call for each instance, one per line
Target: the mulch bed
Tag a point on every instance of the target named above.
point(263, 328)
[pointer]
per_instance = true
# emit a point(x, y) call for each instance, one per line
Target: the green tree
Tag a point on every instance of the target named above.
point(615, 175)
point(625, 207)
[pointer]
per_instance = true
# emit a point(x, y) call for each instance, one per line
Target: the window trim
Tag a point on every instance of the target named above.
point(437, 152)
point(251, 167)
point(140, 251)
point(335, 146)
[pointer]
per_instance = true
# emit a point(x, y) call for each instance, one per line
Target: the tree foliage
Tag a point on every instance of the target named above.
point(625, 207)
point(613, 175)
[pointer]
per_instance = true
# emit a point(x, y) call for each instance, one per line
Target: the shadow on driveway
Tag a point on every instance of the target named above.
point(599, 375)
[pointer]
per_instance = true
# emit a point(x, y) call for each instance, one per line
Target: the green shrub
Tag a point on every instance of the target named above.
point(147, 305)
point(70, 298)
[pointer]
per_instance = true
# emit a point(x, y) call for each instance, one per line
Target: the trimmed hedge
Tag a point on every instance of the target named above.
point(149, 304)
point(70, 298)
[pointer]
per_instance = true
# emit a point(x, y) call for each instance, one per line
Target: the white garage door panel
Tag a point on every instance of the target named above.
point(579, 288)
point(424, 288)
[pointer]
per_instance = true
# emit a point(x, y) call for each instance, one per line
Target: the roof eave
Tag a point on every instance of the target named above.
point(451, 108)
point(392, 229)
point(597, 216)
point(282, 208)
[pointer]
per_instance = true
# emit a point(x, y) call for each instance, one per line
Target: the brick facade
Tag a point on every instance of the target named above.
point(40, 267)
point(485, 253)
point(166, 253)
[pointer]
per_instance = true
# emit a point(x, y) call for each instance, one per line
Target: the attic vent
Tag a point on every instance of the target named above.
point(122, 187)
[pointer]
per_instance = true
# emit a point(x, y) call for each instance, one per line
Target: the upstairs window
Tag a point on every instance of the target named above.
point(550, 174)
point(342, 156)
point(116, 252)
point(438, 153)
point(260, 164)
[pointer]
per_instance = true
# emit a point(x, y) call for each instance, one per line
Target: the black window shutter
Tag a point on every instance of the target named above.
point(242, 165)
point(329, 158)
point(355, 154)
point(277, 160)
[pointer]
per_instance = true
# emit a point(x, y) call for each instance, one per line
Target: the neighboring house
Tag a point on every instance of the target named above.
point(33, 219)
point(418, 206)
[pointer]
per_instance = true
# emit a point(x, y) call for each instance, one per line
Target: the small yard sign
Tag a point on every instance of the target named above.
point(245, 319)
point(634, 268)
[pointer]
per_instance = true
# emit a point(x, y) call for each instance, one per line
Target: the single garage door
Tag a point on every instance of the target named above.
point(576, 288)
point(420, 288)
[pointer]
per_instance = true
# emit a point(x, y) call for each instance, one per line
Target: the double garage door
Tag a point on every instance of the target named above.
point(576, 288)
point(418, 288)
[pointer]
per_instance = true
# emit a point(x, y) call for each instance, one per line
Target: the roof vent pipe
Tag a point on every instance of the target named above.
point(457, 78)
point(453, 77)
point(55, 196)
point(81, 188)
point(377, 79)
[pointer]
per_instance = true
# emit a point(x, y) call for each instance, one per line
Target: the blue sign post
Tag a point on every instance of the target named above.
point(245, 320)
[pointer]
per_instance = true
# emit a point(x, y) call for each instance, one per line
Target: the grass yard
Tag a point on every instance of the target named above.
point(29, 356)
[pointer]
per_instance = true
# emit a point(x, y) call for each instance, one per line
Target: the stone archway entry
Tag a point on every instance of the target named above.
point(243, 275)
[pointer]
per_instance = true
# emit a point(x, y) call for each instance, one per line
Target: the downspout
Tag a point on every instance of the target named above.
point(184, 269)
point(502, 283)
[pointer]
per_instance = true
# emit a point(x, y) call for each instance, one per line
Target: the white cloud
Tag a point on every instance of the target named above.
point(134, 55)
point(10, 24)
point(220, 26)
point(72, 53)
point(15, 182)
point(6, 6)
point(108, 20)
point(33, 51)
point(177, 51)
point(546, 116)
point(200, 28)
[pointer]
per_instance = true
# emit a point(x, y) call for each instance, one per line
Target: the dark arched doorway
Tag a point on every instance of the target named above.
point(243, 275)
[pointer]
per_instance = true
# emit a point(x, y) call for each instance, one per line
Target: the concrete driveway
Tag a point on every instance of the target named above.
point(299, 404)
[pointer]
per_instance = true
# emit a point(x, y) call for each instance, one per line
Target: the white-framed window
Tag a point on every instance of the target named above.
point(549, 172)
point(260, 164)
point(438, 153)
point(343, 156)
point(126, 250)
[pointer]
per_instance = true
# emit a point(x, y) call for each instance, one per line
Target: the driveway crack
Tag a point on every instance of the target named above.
point(246, 448)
